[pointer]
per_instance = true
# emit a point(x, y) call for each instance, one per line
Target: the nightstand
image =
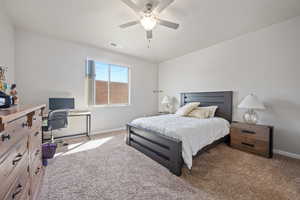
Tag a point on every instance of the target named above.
point(252, 138)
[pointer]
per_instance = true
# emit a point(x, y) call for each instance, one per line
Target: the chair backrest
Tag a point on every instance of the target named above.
point(58, 119)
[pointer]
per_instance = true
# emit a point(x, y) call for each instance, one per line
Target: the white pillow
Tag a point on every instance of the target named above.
point(187, 108)
point(199, 112)
point(212, 110)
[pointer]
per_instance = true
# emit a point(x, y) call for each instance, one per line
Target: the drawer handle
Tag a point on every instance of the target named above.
point(5, 137)
point(247, 144)
point(34, 118)
point(18, 190)
point(248, 132)
point(37, 170)
point(37, 152)
point(36, 133)
point(17, 159)
point(24, 124)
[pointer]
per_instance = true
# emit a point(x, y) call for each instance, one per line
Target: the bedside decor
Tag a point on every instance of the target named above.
point(3, 83)
point(14, 93)
point(257, 139)
point(167, 103)
point(251, 103)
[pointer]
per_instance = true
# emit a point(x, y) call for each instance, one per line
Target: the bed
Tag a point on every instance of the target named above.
point(171, 141)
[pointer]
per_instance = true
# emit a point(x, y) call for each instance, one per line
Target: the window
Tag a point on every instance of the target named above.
point(108, 83)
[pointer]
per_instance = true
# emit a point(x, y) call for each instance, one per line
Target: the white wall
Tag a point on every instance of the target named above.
point(266, 62)
point(48, 67)
point(7, 45)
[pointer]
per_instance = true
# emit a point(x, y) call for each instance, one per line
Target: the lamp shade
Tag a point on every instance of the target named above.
point(251, 102)
point(166, 100)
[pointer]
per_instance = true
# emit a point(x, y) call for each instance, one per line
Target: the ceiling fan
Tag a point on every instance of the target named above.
point(149, 15)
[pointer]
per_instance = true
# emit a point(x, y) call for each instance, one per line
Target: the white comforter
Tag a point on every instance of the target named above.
point(194, 133)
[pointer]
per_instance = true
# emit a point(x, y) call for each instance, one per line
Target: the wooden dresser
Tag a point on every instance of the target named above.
point(21, 167)
point(253, 138)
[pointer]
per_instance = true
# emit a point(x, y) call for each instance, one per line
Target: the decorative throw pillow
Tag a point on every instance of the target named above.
point(199, 112)
point(212, 110)
point(186, 109)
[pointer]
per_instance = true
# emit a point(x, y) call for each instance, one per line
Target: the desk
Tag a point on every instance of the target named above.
point(73, 113)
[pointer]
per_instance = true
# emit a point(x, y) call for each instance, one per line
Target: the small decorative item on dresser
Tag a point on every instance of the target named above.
point(252, 138)
point(14, 93)
point(3, 83)
point(5, 100)
point(251, 103)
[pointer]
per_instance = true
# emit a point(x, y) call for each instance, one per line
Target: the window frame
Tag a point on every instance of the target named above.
point(108, 85)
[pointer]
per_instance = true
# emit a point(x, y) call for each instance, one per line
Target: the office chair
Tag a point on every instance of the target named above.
point(57, 119)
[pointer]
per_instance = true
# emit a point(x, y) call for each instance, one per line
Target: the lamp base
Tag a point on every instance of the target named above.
point(250, 117)
point(166, 108)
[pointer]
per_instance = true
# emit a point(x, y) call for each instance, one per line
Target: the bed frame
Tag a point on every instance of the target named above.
point(168, 151)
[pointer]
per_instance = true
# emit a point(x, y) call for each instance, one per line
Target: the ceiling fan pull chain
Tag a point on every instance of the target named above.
point(149, 41)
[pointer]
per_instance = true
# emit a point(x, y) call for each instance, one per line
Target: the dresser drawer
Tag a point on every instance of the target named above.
point(251, 145)
point(10, 161)
point(13, 133)
point(250, 131)
point(13, 165)
point(19, 189)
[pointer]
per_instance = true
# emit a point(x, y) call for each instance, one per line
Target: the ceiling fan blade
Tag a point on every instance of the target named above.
point(168, 24)
point(163, 5)
point(128, 24)
point(132, 5)
point(149, 34)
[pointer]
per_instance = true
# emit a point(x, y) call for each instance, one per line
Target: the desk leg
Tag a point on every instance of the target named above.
point(88, 125)
point(42, 136)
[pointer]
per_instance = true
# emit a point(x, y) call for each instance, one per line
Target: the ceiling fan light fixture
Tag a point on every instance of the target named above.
point(148, 22)
point(149, 15)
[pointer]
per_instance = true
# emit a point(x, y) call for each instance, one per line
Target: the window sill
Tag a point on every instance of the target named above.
point(109, 105)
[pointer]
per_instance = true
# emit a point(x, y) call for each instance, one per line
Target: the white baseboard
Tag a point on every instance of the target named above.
point(285, 153)
point(108, 130)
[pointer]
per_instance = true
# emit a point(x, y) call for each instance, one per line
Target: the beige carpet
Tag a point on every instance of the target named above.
point(228, 173)
point(106, 168)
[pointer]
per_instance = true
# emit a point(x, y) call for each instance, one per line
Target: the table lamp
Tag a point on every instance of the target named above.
point(251, 103)
point(167, 103)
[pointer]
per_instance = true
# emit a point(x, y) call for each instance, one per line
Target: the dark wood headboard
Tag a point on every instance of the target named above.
point(221, 99)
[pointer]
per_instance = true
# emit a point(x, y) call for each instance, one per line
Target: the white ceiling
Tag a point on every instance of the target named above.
point(202, 23)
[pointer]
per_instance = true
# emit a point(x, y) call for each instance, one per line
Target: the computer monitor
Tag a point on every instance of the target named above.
point(61, 103)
